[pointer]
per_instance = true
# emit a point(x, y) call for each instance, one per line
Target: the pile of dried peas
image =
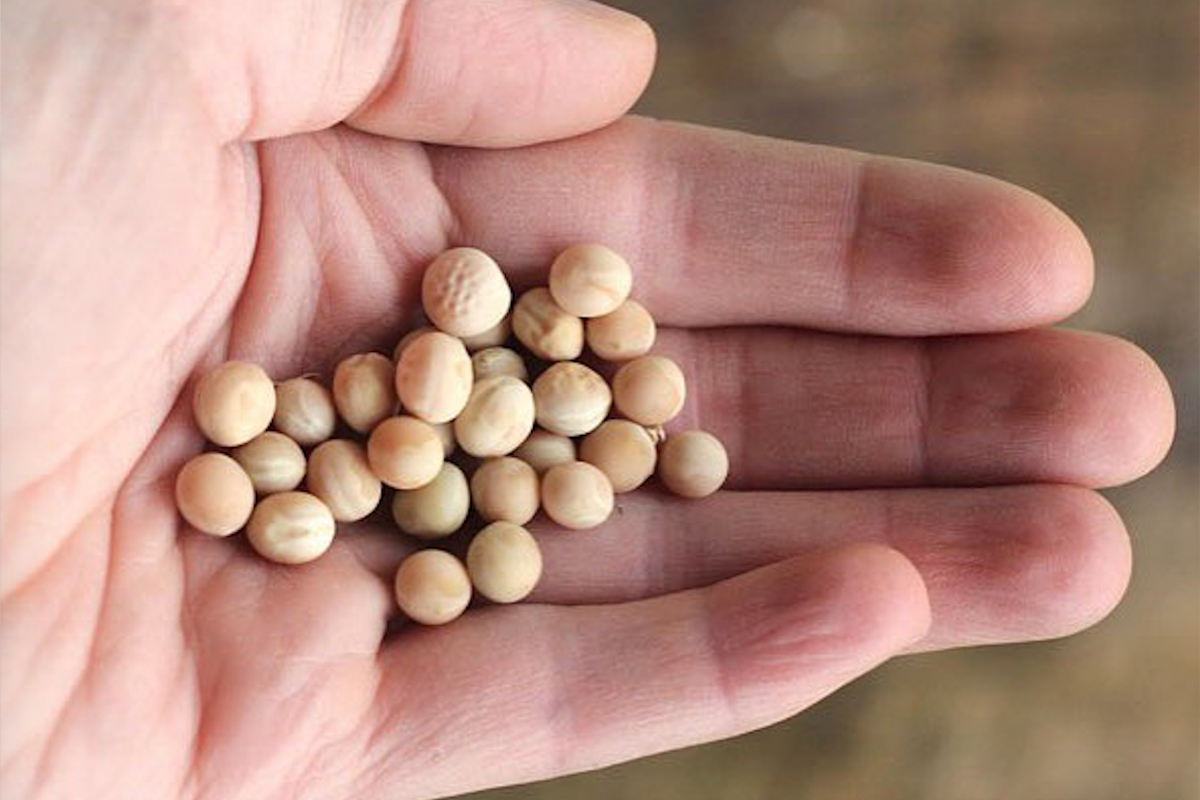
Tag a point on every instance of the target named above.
point(455, 385)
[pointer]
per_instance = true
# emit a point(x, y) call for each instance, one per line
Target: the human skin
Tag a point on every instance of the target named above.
point(188, 183)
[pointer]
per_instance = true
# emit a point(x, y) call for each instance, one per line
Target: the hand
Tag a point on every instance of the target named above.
point(174, 195)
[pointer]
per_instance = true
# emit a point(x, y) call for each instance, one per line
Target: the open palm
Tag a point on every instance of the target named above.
point(175, 195)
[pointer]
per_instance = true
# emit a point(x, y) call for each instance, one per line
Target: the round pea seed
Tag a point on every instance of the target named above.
point(291, 528)
point(505, 490)
point(622, 450)
point(693, 464)
point(649, 390)
point(405, 452)
point(234, 403)
point(214, 494)
point(432, 587)
point(339, 474)
point(504, 562)
point(364, 390)
point(577, 495)
point(304, 410)
point(435, 510)
point(274, 462)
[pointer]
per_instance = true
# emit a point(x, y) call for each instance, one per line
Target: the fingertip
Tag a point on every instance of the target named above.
point(1004, 257)
point(474, 73)
point(1126, 424)
point(833, 615)
point(881, 596)
point(1036, 258)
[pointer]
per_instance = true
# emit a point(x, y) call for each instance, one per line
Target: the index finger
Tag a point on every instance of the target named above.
point(726, 228)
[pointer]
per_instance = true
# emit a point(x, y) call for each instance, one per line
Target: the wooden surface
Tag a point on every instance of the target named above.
point(1092, 103)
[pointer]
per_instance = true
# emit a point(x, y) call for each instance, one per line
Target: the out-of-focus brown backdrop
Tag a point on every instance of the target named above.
point(1094, 104)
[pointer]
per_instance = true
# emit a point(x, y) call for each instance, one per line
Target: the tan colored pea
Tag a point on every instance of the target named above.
point(577, 495)
point(408, 338)
point(364, 390)
point(494, 336)
point(498, 417)
point(340, 475)
point(499, 361)
point(505, 490)
point(234, 403)
point(693, 464)
point(625, 333)
point(543, 449)
point(405, 452)
point(432, 587)
point(437, 509)
point(545, 329)
point(590, 280)
point(273, 461)
point(214, 494)
point(571, 399)
point(291, 528)
point(623, 450)
point(445, 434)
point(504, 562)
point(304, 411)
point(650, 390)
point(434, 377)
point(464, 292)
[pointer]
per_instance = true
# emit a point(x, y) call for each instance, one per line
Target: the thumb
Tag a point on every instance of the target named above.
point(487, 73)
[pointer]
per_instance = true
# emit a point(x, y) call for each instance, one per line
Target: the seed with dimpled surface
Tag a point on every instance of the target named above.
point(571, 399)
point(545, 329)
point(214, 494)
point(590, 280)
point(464, 292)
point(339, 474)
point(291, 528)
point(364, 390)
point(577, 495)
point(234, 403)
point(504, 562)
point(432, 587)
point(273, 461)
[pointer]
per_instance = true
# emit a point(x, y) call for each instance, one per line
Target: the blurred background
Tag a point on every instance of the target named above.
point(1094, 104)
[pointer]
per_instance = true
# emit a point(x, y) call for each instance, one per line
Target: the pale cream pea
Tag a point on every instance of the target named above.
point(234, 403)
point(432, 587)
point(571, 399)
point(291, 528)
point(504, 562)
point(464, 292)
point(577, 495)
point(304, 410)
point(435, 510)
point(622, 450)
point(505, 490)
point(545, 329)
point(214, 494)
point(590, 280)
point(405, 452)
point(693, 464)
point(340, 475)
point(274, 462)
point(364, 390)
